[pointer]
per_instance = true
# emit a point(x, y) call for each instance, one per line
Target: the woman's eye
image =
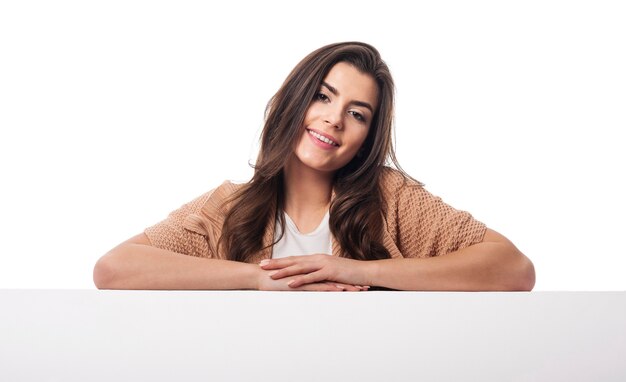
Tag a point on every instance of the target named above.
point(321, 97)
point(359, 117)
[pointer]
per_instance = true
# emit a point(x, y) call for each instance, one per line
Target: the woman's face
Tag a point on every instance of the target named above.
point(338, 120)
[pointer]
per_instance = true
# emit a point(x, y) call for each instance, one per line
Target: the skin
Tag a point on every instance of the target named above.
point(343, 108)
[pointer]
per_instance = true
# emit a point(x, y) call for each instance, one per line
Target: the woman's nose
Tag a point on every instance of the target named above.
point(333, 117)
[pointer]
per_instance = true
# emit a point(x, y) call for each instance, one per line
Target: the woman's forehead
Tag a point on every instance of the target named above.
point(351, 83)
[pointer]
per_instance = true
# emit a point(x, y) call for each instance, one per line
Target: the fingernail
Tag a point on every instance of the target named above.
point(264, 262)
point(272, 273)
point(291, 282)
point(340, 287)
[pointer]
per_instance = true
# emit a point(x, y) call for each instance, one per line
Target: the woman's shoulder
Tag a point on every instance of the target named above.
point(399, 190)
point(214, 198)
point(393, 180)
point(208, 210)
point(231, 185)
point(225, 190)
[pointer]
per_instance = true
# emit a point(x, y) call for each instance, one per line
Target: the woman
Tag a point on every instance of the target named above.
point(323, 211)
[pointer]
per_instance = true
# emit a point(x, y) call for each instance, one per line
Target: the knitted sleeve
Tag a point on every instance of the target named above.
point(429, 227)
point(170, 233)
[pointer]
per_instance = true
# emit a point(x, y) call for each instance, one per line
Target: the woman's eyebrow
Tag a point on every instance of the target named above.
point(357, 103)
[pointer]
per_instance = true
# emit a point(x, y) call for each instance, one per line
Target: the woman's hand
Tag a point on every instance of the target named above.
point(309, 270)
point(267, 283)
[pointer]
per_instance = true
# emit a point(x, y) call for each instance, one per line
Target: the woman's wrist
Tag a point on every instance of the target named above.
point(370, 270)
point(253, 278)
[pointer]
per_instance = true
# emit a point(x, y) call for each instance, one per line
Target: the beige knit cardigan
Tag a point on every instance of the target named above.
point(418, 224)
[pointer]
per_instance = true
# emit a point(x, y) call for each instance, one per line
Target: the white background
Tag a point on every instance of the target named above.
point(114, 113)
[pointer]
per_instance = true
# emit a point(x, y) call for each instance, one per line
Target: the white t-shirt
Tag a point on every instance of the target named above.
point(295, 243)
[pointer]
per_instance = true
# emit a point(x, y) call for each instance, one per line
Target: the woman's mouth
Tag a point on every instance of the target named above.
point(322, 139)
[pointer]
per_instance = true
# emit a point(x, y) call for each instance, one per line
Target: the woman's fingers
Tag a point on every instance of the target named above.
point(344, 287)
point(330, 287)
point(320, 287)
point(290, 271)
point(291, 266)
point(305, 273)
point(351, 288)
point(278, 263)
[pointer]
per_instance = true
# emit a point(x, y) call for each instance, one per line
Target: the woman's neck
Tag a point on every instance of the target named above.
point(307, 191)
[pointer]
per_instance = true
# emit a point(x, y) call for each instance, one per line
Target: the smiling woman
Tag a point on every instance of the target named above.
point(327, 209)
point(337, 122)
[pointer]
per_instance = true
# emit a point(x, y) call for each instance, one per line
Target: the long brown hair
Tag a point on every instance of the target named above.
point(356, 212)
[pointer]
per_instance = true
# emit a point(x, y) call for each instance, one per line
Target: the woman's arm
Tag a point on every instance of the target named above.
point(494, 264)
point(135, 264)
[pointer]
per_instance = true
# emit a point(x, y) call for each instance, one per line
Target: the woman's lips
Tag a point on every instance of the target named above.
point(322, 140)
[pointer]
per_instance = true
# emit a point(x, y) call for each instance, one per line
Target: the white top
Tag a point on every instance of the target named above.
point(295, 243)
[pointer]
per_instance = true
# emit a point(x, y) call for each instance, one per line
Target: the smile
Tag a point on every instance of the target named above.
point(322, 138)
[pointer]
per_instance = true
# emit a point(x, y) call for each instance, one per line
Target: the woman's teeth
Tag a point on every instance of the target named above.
point(322, 138)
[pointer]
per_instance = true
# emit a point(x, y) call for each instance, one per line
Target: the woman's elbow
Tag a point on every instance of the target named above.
point(528, 275)
point(523, 274)
point(104, 272)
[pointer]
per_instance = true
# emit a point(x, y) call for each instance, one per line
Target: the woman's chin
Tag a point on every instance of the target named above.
point(318, 166)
